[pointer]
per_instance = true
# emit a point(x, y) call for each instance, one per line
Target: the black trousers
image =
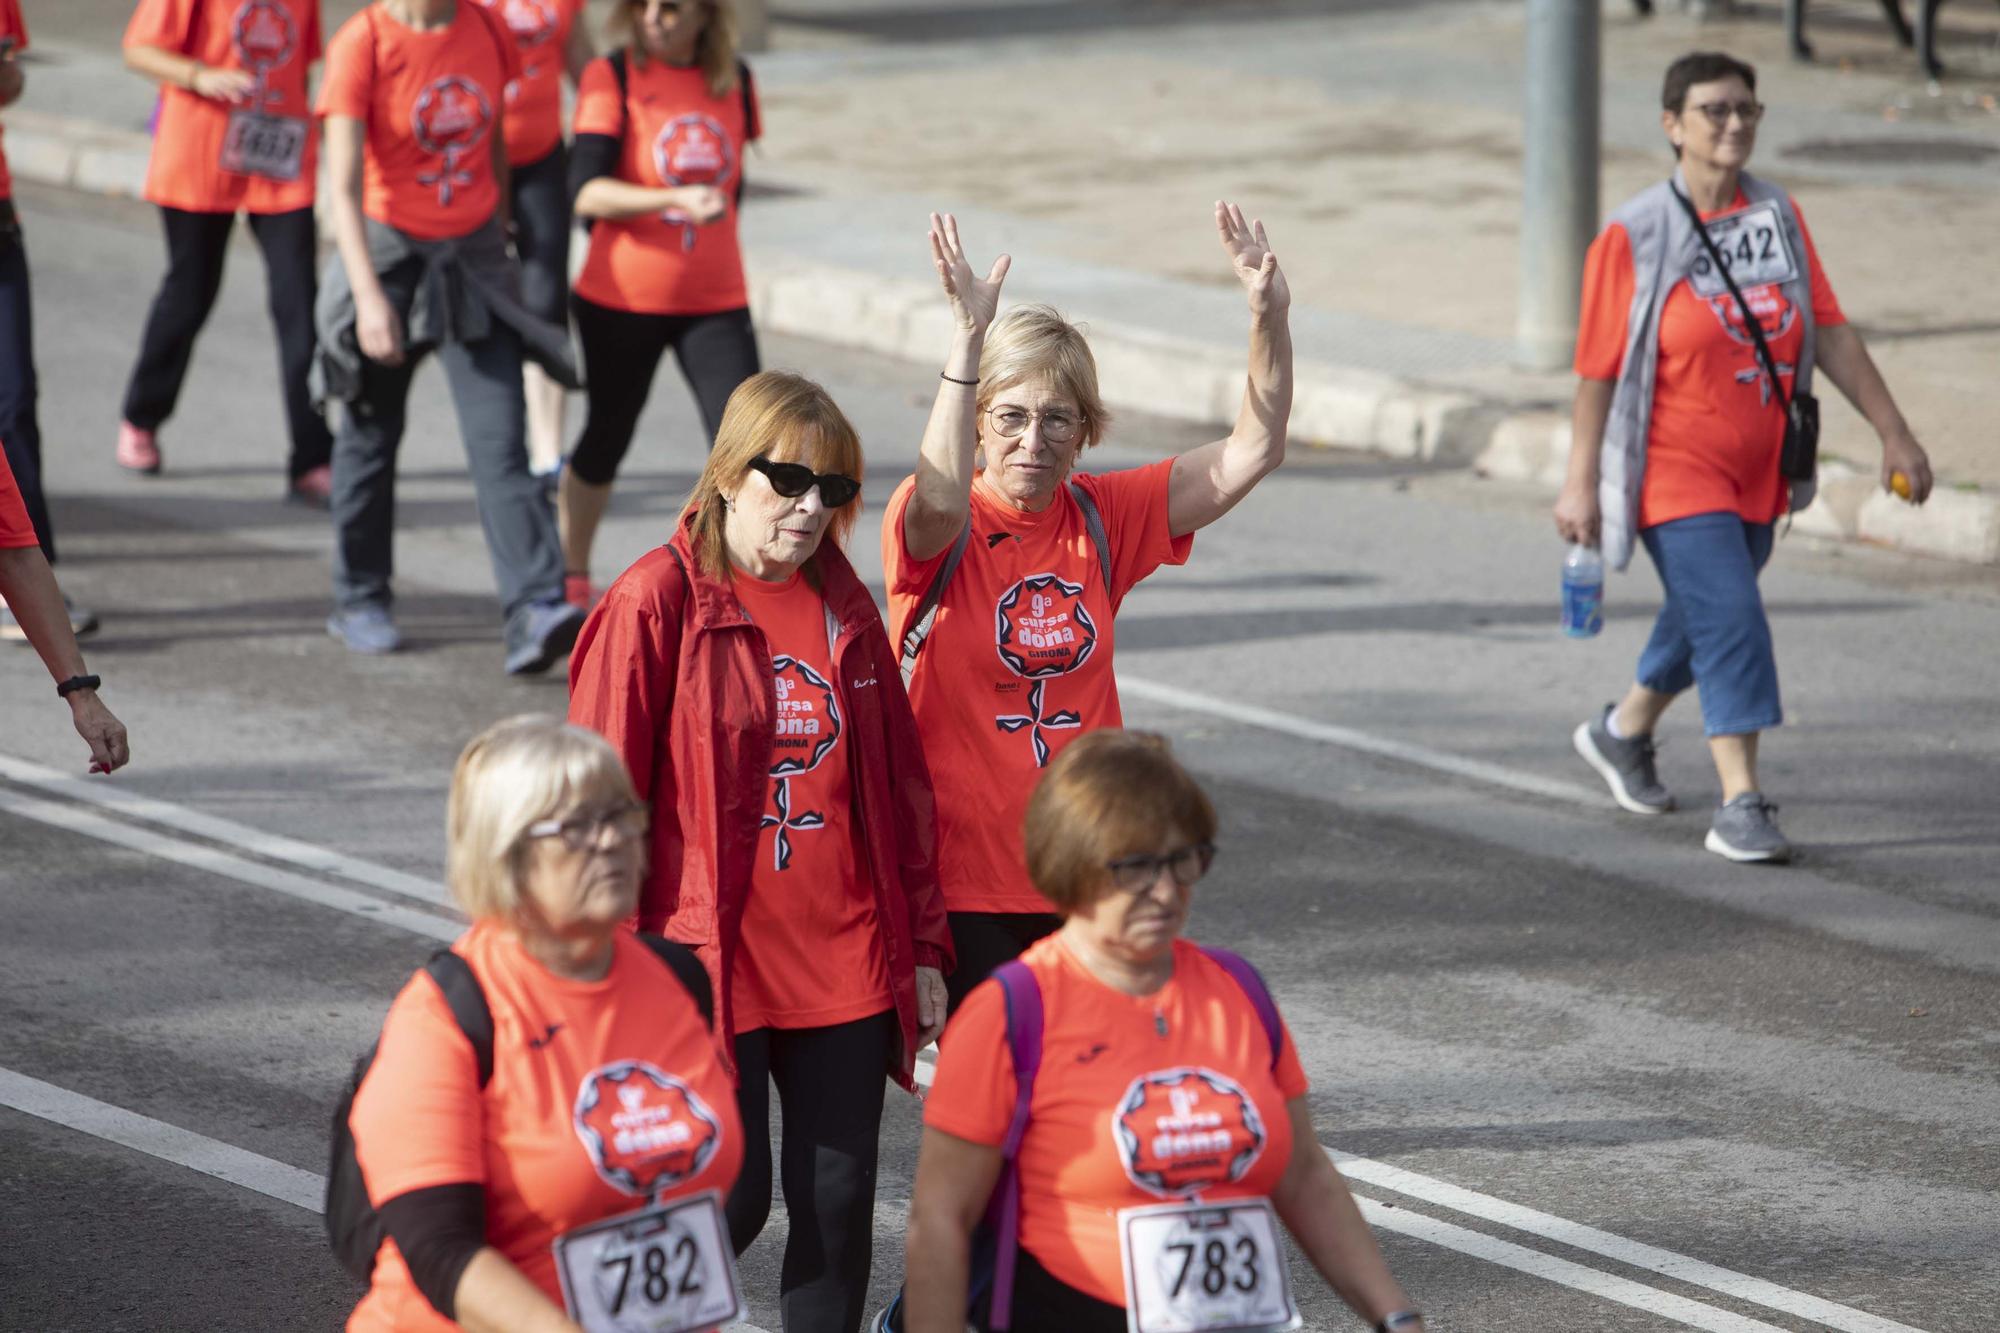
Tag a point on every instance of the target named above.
point(1044, 1301)
point(197, 245)
point(20, 428)
point(984, 940)
point(621, 350)
point(540, 193)
point(830, 1086)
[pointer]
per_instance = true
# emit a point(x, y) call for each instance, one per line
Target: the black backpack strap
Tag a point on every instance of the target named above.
point(1093, 523)
point(924, 618)
point(622, 72)
point(751, 129)
point(467, 999)
point(687, 969)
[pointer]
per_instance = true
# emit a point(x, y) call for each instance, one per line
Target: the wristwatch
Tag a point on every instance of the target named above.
point(1389, 1323)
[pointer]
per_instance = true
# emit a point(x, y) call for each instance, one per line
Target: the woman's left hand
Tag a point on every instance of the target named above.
point(1901, 453)
point(931, 1004)
point(1250, 255)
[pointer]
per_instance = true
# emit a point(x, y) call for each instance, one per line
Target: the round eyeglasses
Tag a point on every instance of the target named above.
point(581, 832)
point(1059, 426)
point(1136, 874)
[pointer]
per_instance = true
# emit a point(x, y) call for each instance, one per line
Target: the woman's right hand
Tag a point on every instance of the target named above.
point(378, 329)
point(974, 301)
point(222, 85)
point(1578, 517)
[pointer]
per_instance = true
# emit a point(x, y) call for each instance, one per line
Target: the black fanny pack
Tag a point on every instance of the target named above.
point(1798, 460)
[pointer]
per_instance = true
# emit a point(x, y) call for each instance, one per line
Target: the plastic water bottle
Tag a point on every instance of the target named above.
point(1583, 591)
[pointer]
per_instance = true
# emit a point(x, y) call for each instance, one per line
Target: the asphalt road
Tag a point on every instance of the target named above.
point(1627, 1086)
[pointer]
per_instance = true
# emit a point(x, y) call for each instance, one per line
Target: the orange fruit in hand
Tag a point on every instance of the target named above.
point(1899, 482)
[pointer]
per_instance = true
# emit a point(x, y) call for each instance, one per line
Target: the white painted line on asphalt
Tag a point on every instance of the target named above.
point(214, 861)
point(111, 796)
point(1740, 1286)
point(1473, 770)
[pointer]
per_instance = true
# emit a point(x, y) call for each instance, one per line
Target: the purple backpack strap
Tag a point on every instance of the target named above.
point(1024, 1042)
point(1252, 982)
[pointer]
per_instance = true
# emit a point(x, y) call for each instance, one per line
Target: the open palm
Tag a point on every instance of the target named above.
point(974, 300)
point(1251, 257)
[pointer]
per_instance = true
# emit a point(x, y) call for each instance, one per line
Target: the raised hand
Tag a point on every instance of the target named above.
point(1251, 257)
point(974, 301)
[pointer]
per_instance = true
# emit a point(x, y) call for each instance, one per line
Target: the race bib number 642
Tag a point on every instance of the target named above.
point(1205, 1268)
point(661, 1269)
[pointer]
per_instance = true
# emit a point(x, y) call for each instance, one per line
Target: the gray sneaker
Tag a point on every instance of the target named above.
point(1625, 765)
point(1743, 831)
point(365, 629)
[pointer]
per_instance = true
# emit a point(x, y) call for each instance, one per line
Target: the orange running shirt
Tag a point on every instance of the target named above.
point(541, 31)
point(16, 531)
point(11, 25)
point(812, 953)
point(1018, 663)
point(1716, 430)
point(276, 41)
point(604, 1095)
point(674, 132)
point(432, 102)
point(1122, 1116)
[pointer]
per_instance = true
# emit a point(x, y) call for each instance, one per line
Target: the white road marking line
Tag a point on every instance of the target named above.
point(217, 862)
point(1269, 719)
point(271, 845)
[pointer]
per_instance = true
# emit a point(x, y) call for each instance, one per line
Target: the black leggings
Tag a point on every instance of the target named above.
point(1043, 1300)
point(830, 1086)
point(20, 426)
point(541, 234)
point(197, 244)
point(621, 350)
point(982, 941)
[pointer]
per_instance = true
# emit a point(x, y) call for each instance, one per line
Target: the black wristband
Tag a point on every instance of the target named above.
point(1389, 1323)
point(970, 384)
point(75, 683)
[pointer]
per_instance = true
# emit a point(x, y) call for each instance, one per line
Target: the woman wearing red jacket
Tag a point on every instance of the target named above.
point(743, 671)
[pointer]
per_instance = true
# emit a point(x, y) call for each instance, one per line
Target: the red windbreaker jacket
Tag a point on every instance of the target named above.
point(671, 670)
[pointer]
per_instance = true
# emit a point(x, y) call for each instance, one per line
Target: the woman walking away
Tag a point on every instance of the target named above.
point(235, 135)
point(1705, 316)
point(661, 128)
point(418, 169)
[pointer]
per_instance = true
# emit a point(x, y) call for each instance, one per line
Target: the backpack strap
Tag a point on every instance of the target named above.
point(1024, 1042)
point(924, 619)
point(687, 969)
point(621, 71)
point(751, 129)
point(1252, 982)
point(1093, 523)
point(462, 992)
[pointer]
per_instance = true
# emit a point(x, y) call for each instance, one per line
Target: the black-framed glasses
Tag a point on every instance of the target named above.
point(585, 830)
point(792, 480)
point(1059, 425)
point(1718, 113)
point(1135, 874)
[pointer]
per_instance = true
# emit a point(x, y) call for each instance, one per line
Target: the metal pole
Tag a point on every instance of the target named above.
point(1558, 177)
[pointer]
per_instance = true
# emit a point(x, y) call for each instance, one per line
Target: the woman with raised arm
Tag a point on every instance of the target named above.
point(1006, 568)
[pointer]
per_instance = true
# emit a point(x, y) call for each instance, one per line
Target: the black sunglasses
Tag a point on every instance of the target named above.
point(792, 480)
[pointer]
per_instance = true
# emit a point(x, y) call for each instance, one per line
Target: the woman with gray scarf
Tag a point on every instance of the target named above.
point(1693, 433)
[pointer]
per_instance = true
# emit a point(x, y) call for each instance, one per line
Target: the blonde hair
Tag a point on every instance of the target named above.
point(714, 50)
point(1035, 342)
point(514, 773)
point(1108, 794)
point(788, 419)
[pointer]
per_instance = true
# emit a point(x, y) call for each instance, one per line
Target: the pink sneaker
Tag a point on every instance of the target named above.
point(578, 592)
point(313, 487)
point(138, 450)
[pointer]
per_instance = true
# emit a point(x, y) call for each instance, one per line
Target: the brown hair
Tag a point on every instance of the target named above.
point(1701, 67)
point(788, 419)
point(1036, 342)
point(714, 51)
point(1108, 794)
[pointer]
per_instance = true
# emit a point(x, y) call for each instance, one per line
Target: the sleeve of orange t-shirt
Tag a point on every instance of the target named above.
point(1290, 1075)
point(1826, 307)
point(416, 1116)
point(902, 575)
point(345, 88)
point(15, 529)
point(1607, 305)
point(972, 1097)
point(1134, 504)
point(599, 108)
point(12, 24)
point(166, 24)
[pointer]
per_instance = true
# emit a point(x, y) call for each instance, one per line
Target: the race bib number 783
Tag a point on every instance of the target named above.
point(1205, 1268)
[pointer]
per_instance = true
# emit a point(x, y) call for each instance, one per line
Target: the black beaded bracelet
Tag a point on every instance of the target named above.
point(1389, 1323)
point(75, 683)
point(970, 384)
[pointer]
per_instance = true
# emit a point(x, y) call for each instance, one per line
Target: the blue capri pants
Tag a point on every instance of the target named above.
point(1712, 630)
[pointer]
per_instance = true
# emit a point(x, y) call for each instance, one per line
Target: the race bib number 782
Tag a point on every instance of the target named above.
point(662, 1269)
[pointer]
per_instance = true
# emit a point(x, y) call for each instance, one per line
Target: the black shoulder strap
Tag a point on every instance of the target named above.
point(1750, 320)
point(621, 71)
point(1093, 523)
point(924, 618)
point(463, 993)
point(687, 969)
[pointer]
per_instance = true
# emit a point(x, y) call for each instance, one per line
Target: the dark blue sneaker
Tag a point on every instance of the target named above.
point(365, 629)
point(539, 634)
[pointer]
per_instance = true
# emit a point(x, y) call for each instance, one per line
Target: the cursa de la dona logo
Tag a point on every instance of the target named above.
point(644, 1129)
point(1186, 1130)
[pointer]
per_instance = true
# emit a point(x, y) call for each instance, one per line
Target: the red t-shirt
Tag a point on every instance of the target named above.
point(541, 31)
point(11, 25)
point(674, 131)
point(431, 102)
point(1018, 663)
point(15, 529)
point(605, 1095)
point(1140, 1100)
point(812, 953)
point(276, 41)
point(1716, 429)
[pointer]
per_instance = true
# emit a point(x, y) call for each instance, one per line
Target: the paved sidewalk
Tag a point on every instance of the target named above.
point(1381, 144)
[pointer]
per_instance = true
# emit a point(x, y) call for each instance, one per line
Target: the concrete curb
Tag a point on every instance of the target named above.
point(1144, 369)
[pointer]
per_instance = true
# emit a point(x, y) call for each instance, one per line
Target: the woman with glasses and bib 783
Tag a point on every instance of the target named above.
point(1695, 431)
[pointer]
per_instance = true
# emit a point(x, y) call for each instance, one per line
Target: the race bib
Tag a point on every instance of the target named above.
point(1205, 1268)
point(662, 1269)
point(1752, 244)
point(257, 144)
